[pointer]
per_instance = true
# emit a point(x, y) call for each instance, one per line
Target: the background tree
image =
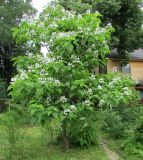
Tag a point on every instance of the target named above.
point(11, 14)
point(126, 16)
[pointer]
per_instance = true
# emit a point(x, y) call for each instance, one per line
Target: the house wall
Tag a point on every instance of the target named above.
point(111, 64)
point(136, 68)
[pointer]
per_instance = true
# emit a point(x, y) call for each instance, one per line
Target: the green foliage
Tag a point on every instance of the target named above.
point(125, 124)
point(84, 132)
point(139, 133)
point(114, 125)
point(10, 121)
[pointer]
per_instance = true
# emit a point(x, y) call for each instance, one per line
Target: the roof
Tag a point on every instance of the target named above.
point(135, 55)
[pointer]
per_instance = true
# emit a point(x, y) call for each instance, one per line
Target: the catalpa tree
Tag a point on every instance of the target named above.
point(62, 84)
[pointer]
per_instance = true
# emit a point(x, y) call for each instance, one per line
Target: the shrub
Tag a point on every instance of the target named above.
point(138, 130)
point(114, 125)
point(82, 130)
point(133, 121)
point(11, 123)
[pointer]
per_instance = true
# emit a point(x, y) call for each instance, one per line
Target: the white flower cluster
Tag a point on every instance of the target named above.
point(89, 91)
point(89, 50)
point(96, 53)
point(43, 73)
point(82, 118)
point(99, 87)
point(101, 103)
point(88, 11)
point(116, 79)
point(79, 16)
point(111, 84)
point(80, 29)
point(63, 99)
point(59, 58)
point(92, 77)
point(87, 103)
point(101, 80)
point(85, 125)
point(100, 30)
point(114, 82)
point(43, 60)
point(53, 25)
point(67, 111)
point(44, 80)
point(30, 55)
point(46, 60)
point(37, 65)
point(70, 65)
point(127, 91)
point(72, 108)
point(30, 68)
point(22, 74)
point(109, 25)
point(88, 29)
point(48, 100)
point(64, 34)
point(67, 84)
point(75, 59)
point(71, 14)
point(14, 79)
point(57, 82)
point(93, 46)
point(67, 14)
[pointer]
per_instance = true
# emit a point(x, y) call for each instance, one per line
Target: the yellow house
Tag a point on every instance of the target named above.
point(134, 68)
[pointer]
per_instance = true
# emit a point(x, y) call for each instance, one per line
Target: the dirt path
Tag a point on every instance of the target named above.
point(110, 154)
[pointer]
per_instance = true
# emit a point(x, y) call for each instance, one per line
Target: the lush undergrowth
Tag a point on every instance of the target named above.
point(117, 145)
point(123, 129)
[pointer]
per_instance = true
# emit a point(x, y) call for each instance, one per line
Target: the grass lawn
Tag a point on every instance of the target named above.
point(32, 143)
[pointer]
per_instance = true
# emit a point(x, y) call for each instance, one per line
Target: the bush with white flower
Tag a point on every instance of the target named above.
point(61, 84)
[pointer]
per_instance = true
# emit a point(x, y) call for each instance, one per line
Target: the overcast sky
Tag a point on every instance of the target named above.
point(39, 4)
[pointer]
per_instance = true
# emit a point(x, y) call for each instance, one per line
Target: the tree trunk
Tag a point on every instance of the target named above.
point(8, 70)
point(64, 135)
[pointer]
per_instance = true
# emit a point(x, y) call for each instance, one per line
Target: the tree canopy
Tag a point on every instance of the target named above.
point(61, 85)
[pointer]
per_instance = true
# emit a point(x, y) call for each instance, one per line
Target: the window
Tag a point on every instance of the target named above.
point(141, 93)
point(126, 69)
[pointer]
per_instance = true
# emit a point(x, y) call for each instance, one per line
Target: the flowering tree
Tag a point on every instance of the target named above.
point(62, 83)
